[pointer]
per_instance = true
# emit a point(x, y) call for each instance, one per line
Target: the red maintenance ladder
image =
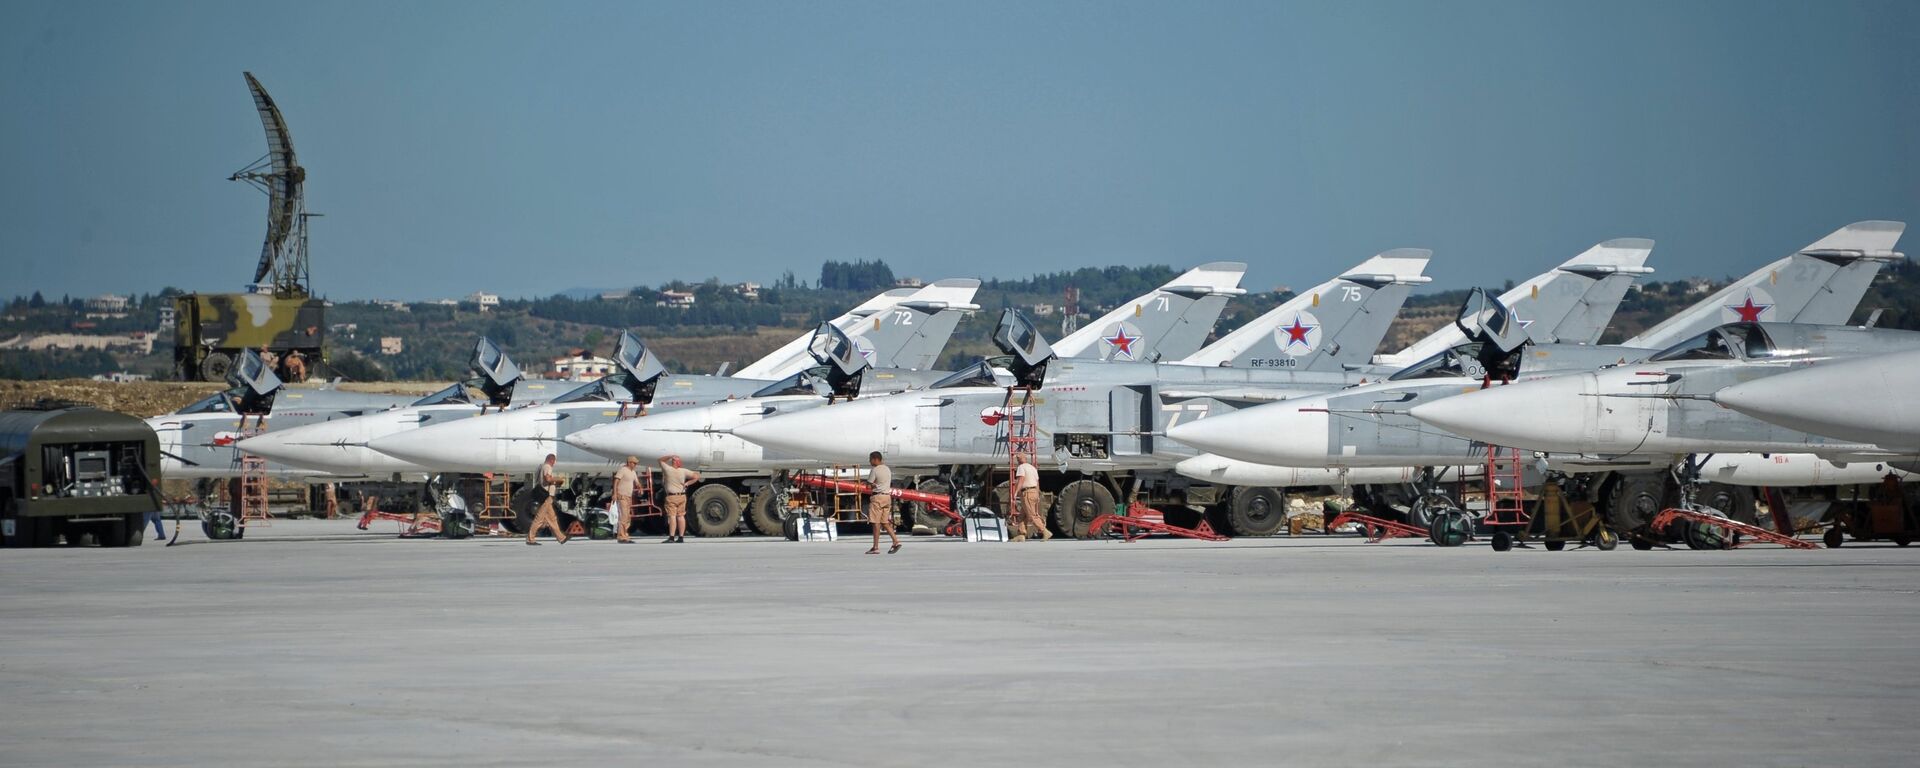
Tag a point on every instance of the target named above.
point(938, 502)
point(252, 503)
point(1506, 496)
point(1377, 529)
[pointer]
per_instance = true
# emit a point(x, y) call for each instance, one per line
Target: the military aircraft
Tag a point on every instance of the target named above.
point(1875, 402)
point(1369, 427)
point(340, 447)
point(201, 440)
point(1664, 407)
point(908, 335)
point(1171, 321)
point(1103, 416)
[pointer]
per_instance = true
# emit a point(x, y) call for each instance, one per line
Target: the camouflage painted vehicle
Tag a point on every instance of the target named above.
point(210, 330)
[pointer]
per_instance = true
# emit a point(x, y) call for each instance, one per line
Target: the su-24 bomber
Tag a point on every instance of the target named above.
point(1103, 426)
point(1136, 407)
point(342, 448)
point(1370, 427)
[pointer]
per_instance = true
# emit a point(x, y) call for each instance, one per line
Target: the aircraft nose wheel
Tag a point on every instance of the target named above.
point(1451, 528)
point(1502, 541)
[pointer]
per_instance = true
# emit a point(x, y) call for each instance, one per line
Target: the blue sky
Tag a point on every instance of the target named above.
point(527, 148)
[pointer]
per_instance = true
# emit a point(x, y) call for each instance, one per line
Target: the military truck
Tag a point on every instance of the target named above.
point(210, 330)
point(69, 471)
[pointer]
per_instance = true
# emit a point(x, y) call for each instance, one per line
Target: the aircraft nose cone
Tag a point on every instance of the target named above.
point(1290, 433)
point(307, 447)
point(596, 440)
point(841, 432)
point(647, 438)
point(452, 446)
point(1548, 414)
point(1775, 397)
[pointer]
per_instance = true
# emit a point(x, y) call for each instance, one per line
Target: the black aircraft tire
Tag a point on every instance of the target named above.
point(764, 514)
point(1555, 545)
point(1634, 499)
point(1736, 501)
point(1833, 538)
point(1075, 507)
point(1256, 511)
point(920, 513)
point(713, 511)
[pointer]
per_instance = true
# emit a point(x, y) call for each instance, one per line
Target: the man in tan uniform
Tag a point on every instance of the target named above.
point(1026, 496)
point(296, 366)
point(880, 503)
point(677, 478)
point(548, 486)
point(625, 480)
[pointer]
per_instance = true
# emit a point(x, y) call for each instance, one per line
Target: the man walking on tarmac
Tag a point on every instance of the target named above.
point(1026, 506)
point(625, 479)
point(549, 486)
point(880, 504)
point(677, 478)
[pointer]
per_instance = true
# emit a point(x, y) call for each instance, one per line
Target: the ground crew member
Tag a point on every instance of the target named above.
point(625, 479)
point(880, 504)
point(677, 478)
point(1026, 507)
point(548, 486)
point(271, 361)
point(296, 367)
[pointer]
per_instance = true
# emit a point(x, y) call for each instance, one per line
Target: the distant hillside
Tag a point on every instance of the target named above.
point(730, 323)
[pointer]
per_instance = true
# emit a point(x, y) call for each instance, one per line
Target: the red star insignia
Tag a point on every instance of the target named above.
point(1750, 312)
point(1298, 332)
point(1122, 342)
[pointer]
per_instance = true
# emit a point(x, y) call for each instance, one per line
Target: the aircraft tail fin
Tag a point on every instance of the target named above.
point(1169, 323)
point(1821, 284)
point(1330, 326)
point(792, 357)
point(912, 333)
point(1571, 303)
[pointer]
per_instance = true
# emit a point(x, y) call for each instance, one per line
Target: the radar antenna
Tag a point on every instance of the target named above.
point(283, 257)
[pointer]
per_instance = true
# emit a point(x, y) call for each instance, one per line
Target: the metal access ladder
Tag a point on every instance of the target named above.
point(1507, 515)
point(252, 503)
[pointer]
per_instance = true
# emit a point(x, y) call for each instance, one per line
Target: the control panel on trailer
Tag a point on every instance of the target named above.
point(69, 471)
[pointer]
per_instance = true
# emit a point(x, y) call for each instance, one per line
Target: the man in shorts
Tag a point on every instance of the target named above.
point(625, 480)
point(677, 478)
point(1026, 501)
point(880, 504)
point(549, 486)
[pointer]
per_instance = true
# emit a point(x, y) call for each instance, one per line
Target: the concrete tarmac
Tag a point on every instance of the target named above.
point(310, 643)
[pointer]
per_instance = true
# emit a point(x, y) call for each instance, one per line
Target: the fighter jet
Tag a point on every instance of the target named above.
point(1103, 417)
point(201, 440)
point(1870, 400)
point(908, 335)
point(341, 446)
point(1172, 320)
point(1664, 407)
point(1369, 427)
